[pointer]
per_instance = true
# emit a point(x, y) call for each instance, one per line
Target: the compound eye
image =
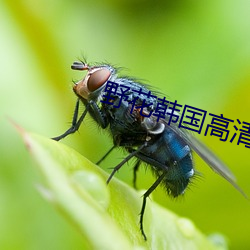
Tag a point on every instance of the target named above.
point(97, 79)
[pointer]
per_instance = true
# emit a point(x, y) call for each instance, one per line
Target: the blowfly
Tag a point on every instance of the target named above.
point(167, 149)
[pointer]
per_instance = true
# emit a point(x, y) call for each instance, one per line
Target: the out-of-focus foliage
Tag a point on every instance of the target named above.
point(197, 53)
point(101, 213)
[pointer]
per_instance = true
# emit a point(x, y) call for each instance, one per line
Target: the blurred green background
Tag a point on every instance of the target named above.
point(196, 52)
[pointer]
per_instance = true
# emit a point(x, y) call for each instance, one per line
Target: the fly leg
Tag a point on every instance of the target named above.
point(75, 124)
point(124, 161)
point(145, 196)
point(97, 114)
point(105, 155)
point(136, 167)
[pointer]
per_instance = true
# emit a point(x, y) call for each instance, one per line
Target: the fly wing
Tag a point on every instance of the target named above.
point(206, 154)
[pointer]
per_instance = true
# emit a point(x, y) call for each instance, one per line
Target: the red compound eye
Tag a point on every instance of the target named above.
point(97, 79)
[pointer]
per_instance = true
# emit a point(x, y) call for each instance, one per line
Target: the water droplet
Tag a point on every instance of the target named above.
point(94, 185)
point(186, 226)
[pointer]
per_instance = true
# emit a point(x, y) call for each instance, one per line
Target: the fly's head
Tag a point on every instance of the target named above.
point(95, 79)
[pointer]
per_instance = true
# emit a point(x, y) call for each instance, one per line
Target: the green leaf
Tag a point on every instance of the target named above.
point(107, 215)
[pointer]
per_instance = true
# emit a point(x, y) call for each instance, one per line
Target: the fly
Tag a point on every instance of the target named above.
point(167, 149)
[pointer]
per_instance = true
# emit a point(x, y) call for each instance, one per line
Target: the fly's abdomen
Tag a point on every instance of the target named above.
point(168, 154)
point(178, 176)
point(180, 166)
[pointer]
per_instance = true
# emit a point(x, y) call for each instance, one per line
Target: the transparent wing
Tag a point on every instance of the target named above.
point(206, 154)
